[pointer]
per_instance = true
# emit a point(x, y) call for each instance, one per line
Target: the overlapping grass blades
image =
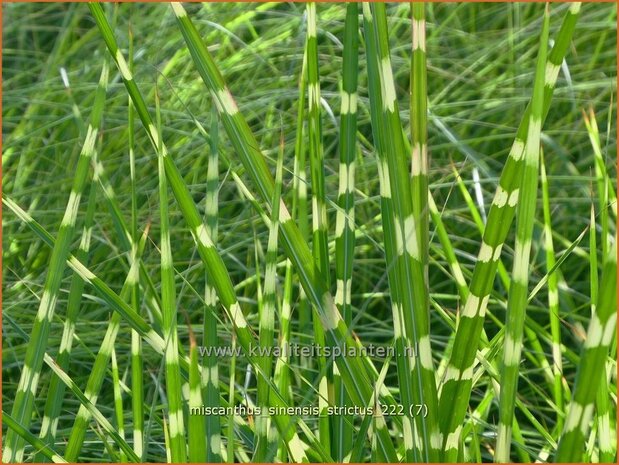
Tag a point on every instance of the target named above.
point(456, 389)
point(110, 297)
point(23, 405)
point(353, 369)
point(400, 223)
point(345, 215)
point(178, 446)
point(210, 383)
point(502, 387)
point(53, 403)
point(97, 376)
point(92, 409)
point(591, 378)
point(44, 449)
point(518, 289)
point(208, 253)
point(267, 318)
point(320, 226)
point(591, 368)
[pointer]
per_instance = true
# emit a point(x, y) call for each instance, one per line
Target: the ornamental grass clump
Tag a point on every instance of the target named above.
point(309, 233)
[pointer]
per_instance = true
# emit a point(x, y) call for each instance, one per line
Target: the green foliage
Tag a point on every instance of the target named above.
point(349, 176)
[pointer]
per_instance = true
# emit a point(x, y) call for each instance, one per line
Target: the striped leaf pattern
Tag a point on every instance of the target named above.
point(28, 383)
point(518, 290)
point(345, 215)
point(396, 235)
point(457, 382)
point(320, 227)
point(403, 253)
point(353, 369)
point(97, 376)
point(206, 248)
point(53, 403)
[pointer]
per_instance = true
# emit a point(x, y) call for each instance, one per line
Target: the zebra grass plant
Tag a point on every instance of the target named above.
point(373, 249)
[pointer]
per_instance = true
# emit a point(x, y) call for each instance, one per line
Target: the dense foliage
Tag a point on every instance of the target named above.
point(435, 176)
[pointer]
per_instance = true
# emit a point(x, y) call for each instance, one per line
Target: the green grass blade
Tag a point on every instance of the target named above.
point(421, 212)
point(299, 201)
point(38, 444)
point(606, 426)
point(197, 438)
point(407, 281)
point(320, 227)
point(448, 249)
point(481, 225)
point(118, 402)
point(606, 193)
point(210, 383)
point(178, 452)
point(95, 381)
point(403, 360)
point(300, 214)
point(137, 364)
point(605, 429)
point(268, 309)
point(282, 374)
point(518, 290)
point(591, 368)
point(231, 390)
point(345, 215)
point(317, 175)
point(553, 302)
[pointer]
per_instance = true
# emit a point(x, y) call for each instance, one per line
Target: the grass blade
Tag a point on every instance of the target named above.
point(210, 383)
point(197, 438)
point(118, 403)
point(320, 227)
point(345, 216)
point(457, 388)
point(231, 390)
point(319, 207)
point(518, 290)
point(178, 451)
point(408, 279)
point(553, 302)
point(268, 309)
point(403, 361)
point(299, 201)
point(137, 381)
point(38, 444)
